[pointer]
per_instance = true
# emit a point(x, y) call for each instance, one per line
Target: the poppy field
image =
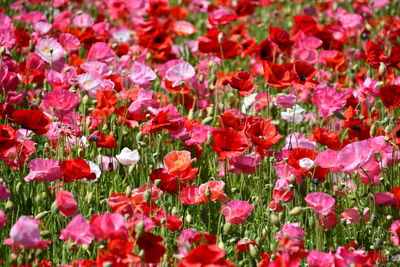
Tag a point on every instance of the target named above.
point(199, 133)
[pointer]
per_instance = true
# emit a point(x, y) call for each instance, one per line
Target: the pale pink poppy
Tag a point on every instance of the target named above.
point(183, 27)
point(328, 100)
point(351, 20)
point(108, 164)
point(354, 155)
point(379, 145)
point(108, 225)
point(83, 21)
point(142, 75)
point(144, 102)
point(319, 259)
point(63, 101)
point(3, 219)
point(90, 83)
point(101, 52)
point(96, 68)
point(322, 203)
point(236, 211)
point(285, 101)
point(49, 50)
point(78, 230)
point(180, 73)
point(395, 229)
point(66, 203)
point(43, 170)
point(69, 41)
point(25, 233)
point(328, 159)
point(128, 157)
point(294, 232)
point(42, 27)
point(245, 164)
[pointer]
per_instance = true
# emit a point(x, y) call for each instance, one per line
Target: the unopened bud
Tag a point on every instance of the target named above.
point(227, 228)
point(128, 191)
point(147, 196)
point(382, 68)
point(274, 220)
point(139, 229)
point(253, 251)
point(296, 211)
point(41, 215)
point(207, 120)
point(54, 208)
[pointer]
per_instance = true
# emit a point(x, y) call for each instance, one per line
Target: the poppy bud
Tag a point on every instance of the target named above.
point(9, 206)
point(85, 100)
point(389, 217)
point(18, 187)
point(201, 78)
point(221, 37)
point(54, 208)
point(139, 136)
point(85, 247)
point(274, 220)
point(2, 50)
point(208, 193)
point(174, 211)
point(372, 132)
point(292, 178)
point(107, 264)
point(157, 182)
point(210, 110)
point(382, 68)
point(139, 229)
point(41, 214)
point(13, 258)
point(253, 251)
point(207, 120)
point(188, 218)
point(31, 46)
point(386, 138)
point(227, 228)
point(147, 196)
point(89, 197)
point(296, 211)
point(191, 114)
point(130, 169)
point(128, 191)
point(233, 189)
point(221, 244)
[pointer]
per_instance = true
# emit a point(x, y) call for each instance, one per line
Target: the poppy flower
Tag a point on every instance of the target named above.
point(180, 73)
point(101, 140)
point(244, 82)
point(49, 50)
point(303, 75)
point(278, 76)
point(221, 16)
point(390, 96)
point(375, 54)
point(76, 169)
point(229, 143)
point(25, 233)
point(322, 203)
point(328, 100)
point(106, 103)
point(101, 51)
point(263, 135)
point(354, 156)
point(177, 161)
point(153, 249)
point(33, 120)
point(62, 101)
point(43, 170)
point(108, 226)
point(128, 157)
point(325, 137)
point(317, 259)
point(236, 211)
point(267, 50)
point(281, 38)
point(66, 203)
point(8, 136)
point(205, 255)
point(78, 231)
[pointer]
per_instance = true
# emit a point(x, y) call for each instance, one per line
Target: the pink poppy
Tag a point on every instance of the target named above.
point(245, 164)
point(78, 231)
point(101, 52)
point(25, 233)
point(83, 21)
point(236, 211)
point(69, 41)
point(44, 170)
point(42, 27)
point(328, 100)
point(351, 215)
point(221, 16)
point(395, 230)
point(322, 203)
point(4, 192)
point(199, 135)
point(285, 101)
point(354, 155)
point(318, 259)
point(293, 232)
point(328, 159)
point(63, 101)
point(385, 199)
point(137, 218)
point(347, 257)
point(180, 73)
point(142, 75)
point(144, 102)
point(217, 191)
point(184, 242)
point(282, 191)
point(3, 219)
point(96, 68)
point(128, 157)
point(49, 50)
point(66, 203)
point(371, 172)
point(108, 225)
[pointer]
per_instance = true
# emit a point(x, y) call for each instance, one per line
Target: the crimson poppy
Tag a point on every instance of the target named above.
point(101, 140)
point(244, 82)
point(153, 249)
point(76, 169)
point(303, 75)
point(278, 76)
point(263, 135)
point(8, 136)
point(205, 255)
point(34, 120)
point(375, 54)
point(281, 38)
point(229, 143)
point(390, 95)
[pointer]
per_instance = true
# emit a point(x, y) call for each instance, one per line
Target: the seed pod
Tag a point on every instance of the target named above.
point(41, 215)
point(253, 251)
point(9, 205)
point(139, 229)
point(207, 120)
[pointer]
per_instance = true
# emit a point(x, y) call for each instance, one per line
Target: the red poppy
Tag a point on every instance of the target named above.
point(244, 8)
point(229, 143)
point(375, 54)
point(106, 102)
point(101, 140)
point(305, 23)
point(267, 50)
point(205, 255)
point(337, 62)
point(34, 120)
point(278, 76)
point(76, 169)
point(325, 137)
point(8, 136)
point(263, 135)
point(303, 75)
point(244, 82)
point(296, 158)
point(153, 249)
point(396, 192)
point(281, 38)
point(390, 95)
